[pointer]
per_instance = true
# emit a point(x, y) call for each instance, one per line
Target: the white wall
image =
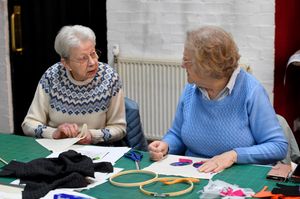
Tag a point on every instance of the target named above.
point(6, 118)
point(156, 29)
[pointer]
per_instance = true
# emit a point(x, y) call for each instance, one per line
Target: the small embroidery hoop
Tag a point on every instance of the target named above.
point(176, 193)
point(135, 184)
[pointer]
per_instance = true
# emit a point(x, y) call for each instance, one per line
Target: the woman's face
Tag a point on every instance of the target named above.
point(187, 64)
point(202, 81)
point(83, 61)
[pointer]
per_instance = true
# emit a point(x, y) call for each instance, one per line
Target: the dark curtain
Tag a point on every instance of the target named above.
point(41, 21)
point(287, 42)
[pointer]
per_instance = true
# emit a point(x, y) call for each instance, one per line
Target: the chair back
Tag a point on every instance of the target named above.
point(293, 154)
point(135, 137)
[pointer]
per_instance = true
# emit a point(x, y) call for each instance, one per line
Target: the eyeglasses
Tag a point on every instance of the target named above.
point(86, 58)
point(186, 62)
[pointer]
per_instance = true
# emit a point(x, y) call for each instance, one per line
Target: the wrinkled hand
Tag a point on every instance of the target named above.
point(219, 162)
point(66, 130)
point(157, 150)
point(87, 139)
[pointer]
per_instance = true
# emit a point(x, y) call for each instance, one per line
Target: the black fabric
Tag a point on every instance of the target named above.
point(286, 190)
point(44, 174)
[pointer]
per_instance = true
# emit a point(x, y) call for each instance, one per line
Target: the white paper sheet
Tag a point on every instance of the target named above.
point(70, 192)
point(10, 192)
point(4, 195)
point(102, 154)
point(164, 167)
point(98, 153)
point(57, 145)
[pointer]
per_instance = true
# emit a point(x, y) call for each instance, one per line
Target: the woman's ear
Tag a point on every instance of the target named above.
point(65, 64)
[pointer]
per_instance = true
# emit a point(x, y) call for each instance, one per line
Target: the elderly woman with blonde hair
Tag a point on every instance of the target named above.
point(224, 113)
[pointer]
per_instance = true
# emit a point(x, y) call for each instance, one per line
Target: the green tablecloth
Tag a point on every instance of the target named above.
point(25, 149)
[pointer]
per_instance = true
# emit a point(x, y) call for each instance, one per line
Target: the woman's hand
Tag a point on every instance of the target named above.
point(87, 139)
point(157, 150)
point(219, 162)
point(66, 130)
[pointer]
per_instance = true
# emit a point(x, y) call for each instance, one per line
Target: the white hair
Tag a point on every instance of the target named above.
point(71, 36)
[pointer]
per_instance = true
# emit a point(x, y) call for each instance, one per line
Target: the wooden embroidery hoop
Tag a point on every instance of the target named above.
point(176, 193)
point(135, 184)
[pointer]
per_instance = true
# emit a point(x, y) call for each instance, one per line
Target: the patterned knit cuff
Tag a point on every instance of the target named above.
point(39, 131)
point(106, 135)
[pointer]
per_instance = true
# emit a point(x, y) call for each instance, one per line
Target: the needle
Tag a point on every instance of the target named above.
point(98, 158)
point(3, 161)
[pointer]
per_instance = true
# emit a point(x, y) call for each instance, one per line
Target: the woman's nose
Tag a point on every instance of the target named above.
point(91, 61)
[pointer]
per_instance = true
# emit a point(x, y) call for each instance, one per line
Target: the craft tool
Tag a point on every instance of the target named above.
point(136, 156)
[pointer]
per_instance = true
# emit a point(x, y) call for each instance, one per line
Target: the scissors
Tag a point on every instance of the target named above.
point(136, 156)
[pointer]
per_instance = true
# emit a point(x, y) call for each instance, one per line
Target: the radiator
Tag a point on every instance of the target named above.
point(156, 86)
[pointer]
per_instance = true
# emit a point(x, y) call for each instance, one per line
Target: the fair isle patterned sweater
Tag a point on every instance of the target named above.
point(97, 102)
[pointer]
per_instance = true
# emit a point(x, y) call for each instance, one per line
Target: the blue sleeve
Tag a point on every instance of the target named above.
point(173, 135)
point(271, 144)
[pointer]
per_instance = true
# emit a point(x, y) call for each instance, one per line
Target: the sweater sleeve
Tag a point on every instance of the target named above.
point(173, 135)
point(271, 144)
point(35, 122)
point(115, 128)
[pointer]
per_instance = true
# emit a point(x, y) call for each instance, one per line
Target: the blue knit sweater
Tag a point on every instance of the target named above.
point(243, 121)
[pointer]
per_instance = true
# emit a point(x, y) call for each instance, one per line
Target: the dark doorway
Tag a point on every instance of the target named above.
point(33, 36)
point(287, 42)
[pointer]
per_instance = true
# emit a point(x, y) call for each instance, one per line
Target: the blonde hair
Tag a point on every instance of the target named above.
point(214, 52)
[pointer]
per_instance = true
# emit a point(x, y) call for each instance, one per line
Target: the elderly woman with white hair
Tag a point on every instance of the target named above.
point(77, 94)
